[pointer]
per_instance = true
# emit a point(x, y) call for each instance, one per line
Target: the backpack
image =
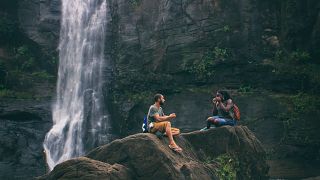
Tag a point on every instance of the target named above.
point(145, 126)
point(236, 112)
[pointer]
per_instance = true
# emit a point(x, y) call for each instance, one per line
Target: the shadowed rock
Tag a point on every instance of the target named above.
point(85, 168)
point(145, 156)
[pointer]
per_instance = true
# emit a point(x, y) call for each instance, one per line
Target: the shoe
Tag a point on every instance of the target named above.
point(176, 149)
point(204, 129)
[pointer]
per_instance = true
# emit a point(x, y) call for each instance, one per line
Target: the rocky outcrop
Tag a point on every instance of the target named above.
point(174, 46)
point(164, 39)
point(40, 21)
point(145, 156)
point(154, 45)
point(160, 44)
point(169, 46)
point(23, 125)
point(85, 168)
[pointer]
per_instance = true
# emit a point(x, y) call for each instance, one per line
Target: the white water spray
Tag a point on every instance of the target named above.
point(79, 120)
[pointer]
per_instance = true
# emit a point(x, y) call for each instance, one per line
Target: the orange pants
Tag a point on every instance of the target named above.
point(161, 127)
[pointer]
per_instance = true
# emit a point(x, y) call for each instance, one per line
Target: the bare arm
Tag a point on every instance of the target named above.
point(164, 118)
point(214, 109)
point(227, 107)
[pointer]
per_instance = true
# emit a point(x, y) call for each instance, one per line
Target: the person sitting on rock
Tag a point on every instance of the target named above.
point(223, 113)
point(159, 122)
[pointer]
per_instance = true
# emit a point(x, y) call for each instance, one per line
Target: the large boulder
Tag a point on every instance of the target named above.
point(213, 154)
point(85, 168)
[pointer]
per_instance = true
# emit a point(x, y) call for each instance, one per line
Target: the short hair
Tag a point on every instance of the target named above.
point(157, 96)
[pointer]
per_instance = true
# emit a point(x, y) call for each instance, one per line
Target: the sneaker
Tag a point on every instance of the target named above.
point(204, 129)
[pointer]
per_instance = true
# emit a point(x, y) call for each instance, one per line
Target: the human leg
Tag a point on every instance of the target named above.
point(175, 131)
point(212, 121)
point(165, 127)
point(172, 143)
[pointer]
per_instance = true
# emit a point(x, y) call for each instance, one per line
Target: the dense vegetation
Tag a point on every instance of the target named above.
point(24, 67)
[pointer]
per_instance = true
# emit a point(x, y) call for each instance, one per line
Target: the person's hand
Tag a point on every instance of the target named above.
point(173, 115)
point(214, 100)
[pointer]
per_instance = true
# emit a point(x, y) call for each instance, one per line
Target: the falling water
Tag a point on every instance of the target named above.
point(79, 120)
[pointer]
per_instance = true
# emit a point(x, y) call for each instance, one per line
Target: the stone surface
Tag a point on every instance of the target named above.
point(23, 125)
point(40, 21)
point(151, 44)
point(265, 113)
point(148, 157)
point(85, 168)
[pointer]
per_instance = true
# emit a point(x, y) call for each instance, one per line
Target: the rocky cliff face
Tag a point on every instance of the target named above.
point(186, 48)
point(40, 20)
point(145, 156)
point(23, 125)
point(164, 39)
point(170, 46)
point(158, 45)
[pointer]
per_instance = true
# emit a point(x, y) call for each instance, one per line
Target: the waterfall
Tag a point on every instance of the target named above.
point(80, 121)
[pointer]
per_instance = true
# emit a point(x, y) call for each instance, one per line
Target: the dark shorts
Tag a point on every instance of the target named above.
point(224, 121)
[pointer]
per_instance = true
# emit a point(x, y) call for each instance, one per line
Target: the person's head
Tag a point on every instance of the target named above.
point(159, 98)
point(224, 95)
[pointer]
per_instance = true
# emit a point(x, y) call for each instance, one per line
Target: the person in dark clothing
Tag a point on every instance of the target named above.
point(223, 112)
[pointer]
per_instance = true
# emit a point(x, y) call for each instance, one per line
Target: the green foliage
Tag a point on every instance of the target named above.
point(220, 53)
point(300, 56)
point(42, 76)
point(226, 28)
point(137, 81)
point(28, 64)
point(293, 57)
point(204, 69)
point(17, 79)
point(302, 102)
point(227, 166)
point(139, 97)
point(298, 66)
point(301, 119)
point(22, 71)
point(135, 3)
point(22, 51)
point(21, 85)
point(245, 89)
point(23, 66)
point(24, 58)
point(7, 93)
